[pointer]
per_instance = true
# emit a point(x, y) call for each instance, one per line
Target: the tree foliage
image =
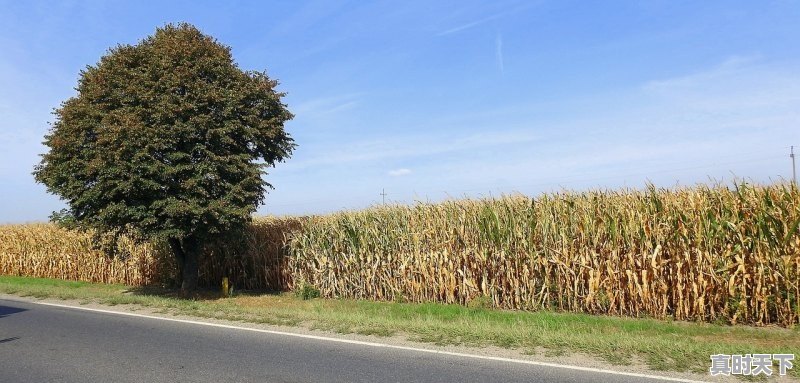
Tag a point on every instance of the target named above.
point(168, 137)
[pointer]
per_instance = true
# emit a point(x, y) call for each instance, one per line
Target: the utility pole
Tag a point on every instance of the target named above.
point(794, 174)
point(383, 195)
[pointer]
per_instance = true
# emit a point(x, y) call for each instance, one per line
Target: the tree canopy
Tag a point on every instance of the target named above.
point(170, 138)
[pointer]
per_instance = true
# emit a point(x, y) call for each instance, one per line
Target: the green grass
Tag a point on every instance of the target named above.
point(662, 345)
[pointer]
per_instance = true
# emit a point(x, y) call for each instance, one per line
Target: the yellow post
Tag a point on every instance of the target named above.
point(225, 286)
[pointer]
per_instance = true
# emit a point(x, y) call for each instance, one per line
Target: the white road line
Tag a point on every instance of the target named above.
point(372, 344)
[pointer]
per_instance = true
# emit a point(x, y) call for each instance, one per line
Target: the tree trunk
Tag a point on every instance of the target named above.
point(189, 272)
point(177, 251)
point(186, 253)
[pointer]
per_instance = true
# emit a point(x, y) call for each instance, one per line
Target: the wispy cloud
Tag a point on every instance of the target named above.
point(740, 85)
point(399, 172)
point(415, 146)
point(307, 16)
point(732, 118)
point(471, 24)
point(498, 44)
point(326, 105)
point(478, 22)
point(727, 68)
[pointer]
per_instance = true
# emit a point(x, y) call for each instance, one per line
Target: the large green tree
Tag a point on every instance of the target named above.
point(169, 138)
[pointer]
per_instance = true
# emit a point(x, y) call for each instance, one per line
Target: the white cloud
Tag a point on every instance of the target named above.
point(325, 105)
point(399, 172)
point(470, 24)
point(733, 119)
point(420, 145)
point(498, 43)
point(736, 118)
point(484, 20)
point(736, 85)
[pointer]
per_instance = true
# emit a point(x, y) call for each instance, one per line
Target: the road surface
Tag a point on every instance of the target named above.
point(55, 344)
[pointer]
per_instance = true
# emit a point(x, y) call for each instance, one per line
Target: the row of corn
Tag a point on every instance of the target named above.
point(48, 251)
point(702, 253)
point(254, 260)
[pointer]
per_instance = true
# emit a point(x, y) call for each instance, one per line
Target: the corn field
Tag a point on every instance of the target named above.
point(702, 253)
point(47, 251)
point(257, 261)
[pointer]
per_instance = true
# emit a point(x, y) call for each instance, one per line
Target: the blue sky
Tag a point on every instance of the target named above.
point(436, 99)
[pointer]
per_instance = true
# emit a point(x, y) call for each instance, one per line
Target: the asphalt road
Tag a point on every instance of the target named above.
point(52, 344)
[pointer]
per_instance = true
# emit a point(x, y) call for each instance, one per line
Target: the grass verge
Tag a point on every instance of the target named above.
point(661, 345)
